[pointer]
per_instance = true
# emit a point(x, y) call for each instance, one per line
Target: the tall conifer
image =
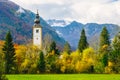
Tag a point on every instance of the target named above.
point(9, 52)
point(104, 38)
point(83, 44)
point(104, 46)
point(41, 62)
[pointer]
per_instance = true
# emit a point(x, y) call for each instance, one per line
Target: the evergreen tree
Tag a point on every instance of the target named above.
point(67, 48)
point(104, 59)
point(116, 43)
point(54, 48)
point(104, 46)
point(83, 44)
point(114, 56)
point(9, 52)
point(41, 63)
point(104, 38)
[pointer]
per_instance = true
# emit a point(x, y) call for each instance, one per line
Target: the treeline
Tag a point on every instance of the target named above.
point(24, 59)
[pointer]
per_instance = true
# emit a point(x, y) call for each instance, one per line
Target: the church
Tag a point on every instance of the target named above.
point(37, 32)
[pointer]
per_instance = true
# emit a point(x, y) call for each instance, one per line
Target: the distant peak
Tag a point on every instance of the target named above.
point(75, 22)
point(58, 22)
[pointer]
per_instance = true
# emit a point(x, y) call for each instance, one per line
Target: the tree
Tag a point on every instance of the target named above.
point(28, 59)
point(51, 58)
point(104, 38)
point(88, 59)
point(83, 44)
point(67, 48)
point(2, 77)
point(53, 48)
point(116, 43)
point(114, 56)
point(9, 52)
point(41, 62)
point(104, 47)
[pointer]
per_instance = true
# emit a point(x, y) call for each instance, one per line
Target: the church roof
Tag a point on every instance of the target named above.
point(37, 21)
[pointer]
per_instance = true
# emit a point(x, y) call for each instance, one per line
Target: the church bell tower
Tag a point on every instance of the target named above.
point(37, 32)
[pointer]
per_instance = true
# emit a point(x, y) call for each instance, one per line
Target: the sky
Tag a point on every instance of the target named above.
point(84, 11)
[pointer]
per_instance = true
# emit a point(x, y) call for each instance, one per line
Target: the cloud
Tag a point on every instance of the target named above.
point(85, 11)
point(54, 10)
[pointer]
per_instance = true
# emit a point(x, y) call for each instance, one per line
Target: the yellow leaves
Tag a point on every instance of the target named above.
point(20, 52)
point(79, 62)
point(81, 66)
point(25, 63)
point(86, 62)
point(34, 65)
point(65, 54)
point(77, 66)
point(104, 47)
point(63, 69)
point(1, 43)
point(53, 52)
point(108, 69)
point(34, 48)
point(26, 57)
point(75, 54)
point(110, 63)
point(88, 54)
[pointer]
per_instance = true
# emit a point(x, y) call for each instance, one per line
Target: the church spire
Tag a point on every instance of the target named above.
point(37, 19)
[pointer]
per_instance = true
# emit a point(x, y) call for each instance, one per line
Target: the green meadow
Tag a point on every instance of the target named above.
point(65, 77)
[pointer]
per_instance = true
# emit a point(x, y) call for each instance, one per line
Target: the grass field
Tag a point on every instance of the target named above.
point(66, 77)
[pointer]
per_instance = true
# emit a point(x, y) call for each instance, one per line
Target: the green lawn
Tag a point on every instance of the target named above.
point(66, 77)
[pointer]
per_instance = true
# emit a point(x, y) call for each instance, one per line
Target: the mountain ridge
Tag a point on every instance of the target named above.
point(71, 32)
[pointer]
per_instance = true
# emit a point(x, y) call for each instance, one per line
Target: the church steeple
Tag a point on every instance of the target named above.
point(37, 19)
point(37, 32)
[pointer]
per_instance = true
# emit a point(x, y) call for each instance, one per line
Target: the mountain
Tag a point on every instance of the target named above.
point(57, 22)
point(71, 32)
point(20, 21)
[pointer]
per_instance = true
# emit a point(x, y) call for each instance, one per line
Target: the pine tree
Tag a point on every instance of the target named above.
point(104, 46)
point(53, 47)
point(116, 43)
point(115, 53)
point(9, 52)
point(83, 44)
point(41, 63)
point(104, 38)
point(67, 48)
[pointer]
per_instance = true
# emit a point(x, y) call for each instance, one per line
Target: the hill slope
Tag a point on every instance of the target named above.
point(19, 21)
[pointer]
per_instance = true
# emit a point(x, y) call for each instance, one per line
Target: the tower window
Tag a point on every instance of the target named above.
point(37, 31)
